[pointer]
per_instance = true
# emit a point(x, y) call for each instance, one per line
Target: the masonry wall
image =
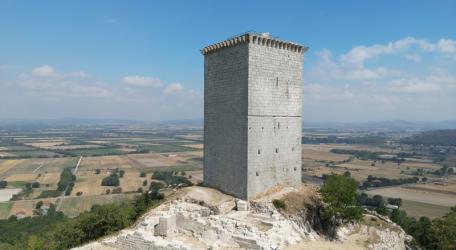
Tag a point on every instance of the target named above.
point(225, 120)
point(274, 117)
point(252, 118)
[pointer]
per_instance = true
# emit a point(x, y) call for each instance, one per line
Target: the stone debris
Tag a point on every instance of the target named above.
point(195, 220)
point(193, 224)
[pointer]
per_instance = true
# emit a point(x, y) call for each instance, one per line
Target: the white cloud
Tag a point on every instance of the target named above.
point(142, 81)
point(328, 68)
point(173, 88)
point(413, 57)
point(413, 86)
point(44, 71)
point(45, 81)
point(359, 54)
point(80, 74)
point(447, 46)
point(76, 93)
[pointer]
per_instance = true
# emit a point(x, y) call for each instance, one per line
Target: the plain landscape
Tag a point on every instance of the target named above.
point(392, 163)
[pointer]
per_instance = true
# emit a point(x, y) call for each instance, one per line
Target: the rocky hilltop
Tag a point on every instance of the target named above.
point(204, 218)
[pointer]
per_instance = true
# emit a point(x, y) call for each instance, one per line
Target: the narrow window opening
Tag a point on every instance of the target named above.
point(277, 82)
point(292, 148)
point(259, 151)
point(278, 125)
point(277, 150)
point(257, 174)
point(295, 169)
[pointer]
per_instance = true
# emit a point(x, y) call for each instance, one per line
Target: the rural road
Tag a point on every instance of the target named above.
point(59, 202)
point(36, 169)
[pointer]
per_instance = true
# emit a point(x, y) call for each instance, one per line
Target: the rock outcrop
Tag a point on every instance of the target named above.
point(203, 218)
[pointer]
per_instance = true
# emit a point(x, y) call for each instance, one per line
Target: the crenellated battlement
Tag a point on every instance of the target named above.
point(255, 38)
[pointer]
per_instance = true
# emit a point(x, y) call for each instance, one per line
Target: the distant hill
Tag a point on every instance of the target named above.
point(198, 122)
point(393, 125)
point(82, 122)
point(435, 137)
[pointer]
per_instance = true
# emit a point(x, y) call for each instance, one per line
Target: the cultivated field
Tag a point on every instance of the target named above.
point(432, 199)
point(40, 157)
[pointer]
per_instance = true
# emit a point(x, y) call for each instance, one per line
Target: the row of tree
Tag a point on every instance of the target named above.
point(56, 231)
point(373, 181)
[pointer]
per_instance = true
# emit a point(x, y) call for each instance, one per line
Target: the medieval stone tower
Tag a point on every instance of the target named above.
point(252, 114)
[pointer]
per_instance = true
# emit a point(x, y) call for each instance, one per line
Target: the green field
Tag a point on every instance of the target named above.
point(5, 208)
point(165, 148)
point(95, 151)
point(72, 206)
point(178, 168)
point(16, 184)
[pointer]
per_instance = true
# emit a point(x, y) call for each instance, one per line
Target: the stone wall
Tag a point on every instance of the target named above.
point(225, 120)
point(252, 115)
point(274, 117)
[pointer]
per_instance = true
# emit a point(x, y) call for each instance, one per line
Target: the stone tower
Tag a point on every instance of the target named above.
point(252, 114)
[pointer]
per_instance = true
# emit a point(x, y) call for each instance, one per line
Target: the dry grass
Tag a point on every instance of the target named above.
point(89, 183)
point(407, 193)
point(131, 181)
point(22, 177)
point(6, 165)
point(105, 162)
point(197, 146)
point(46, 145)
point(304, 197)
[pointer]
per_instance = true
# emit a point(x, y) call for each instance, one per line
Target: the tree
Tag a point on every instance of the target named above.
point(39, 204)
point(142, 174)
point(443, 232)
point(339, 192)
point(35, 243)
point(121, 173)
point(395, 201)
point(112, 180)
point(144, 183)
point(3, 184)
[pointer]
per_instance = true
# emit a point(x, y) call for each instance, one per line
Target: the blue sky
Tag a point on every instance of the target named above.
point(369, 60)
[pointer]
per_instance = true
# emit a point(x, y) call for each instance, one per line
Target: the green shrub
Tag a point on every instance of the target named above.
point(112, 180)
point(340, 193)
point(279, 204)
point(170, 179)
point(155, 186)
point(50, 194)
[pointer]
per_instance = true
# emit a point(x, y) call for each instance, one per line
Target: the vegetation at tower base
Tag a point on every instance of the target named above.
point(339, 192)
point(56, 231)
